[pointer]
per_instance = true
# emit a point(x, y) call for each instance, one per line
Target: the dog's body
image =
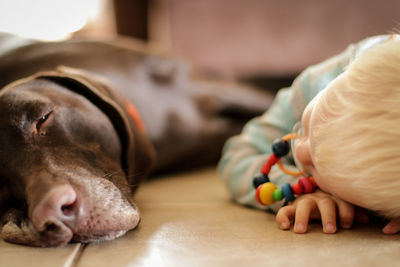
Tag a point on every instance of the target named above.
point(72, 146)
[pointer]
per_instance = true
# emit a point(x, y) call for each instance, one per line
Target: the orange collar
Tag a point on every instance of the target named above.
point(134, 114)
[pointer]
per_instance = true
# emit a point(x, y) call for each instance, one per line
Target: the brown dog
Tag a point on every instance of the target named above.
point(76, 140)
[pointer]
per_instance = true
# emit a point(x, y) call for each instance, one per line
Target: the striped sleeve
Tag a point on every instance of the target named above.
point(244, 154)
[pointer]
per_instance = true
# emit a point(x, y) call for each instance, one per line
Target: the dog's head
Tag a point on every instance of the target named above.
point(70, 156)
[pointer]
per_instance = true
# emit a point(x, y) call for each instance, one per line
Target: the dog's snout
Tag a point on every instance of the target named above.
point(57, 214)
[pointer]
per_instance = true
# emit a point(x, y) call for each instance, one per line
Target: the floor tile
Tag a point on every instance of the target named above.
point(12, 255)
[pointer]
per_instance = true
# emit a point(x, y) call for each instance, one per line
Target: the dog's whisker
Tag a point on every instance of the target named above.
point(134, 175)
point(108, 175)
point(132, 185)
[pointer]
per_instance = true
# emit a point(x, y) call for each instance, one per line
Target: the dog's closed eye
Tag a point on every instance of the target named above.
point(42, 123)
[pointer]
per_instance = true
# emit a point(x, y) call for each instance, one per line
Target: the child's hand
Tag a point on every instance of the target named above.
point(393, 227)
point(319, 205)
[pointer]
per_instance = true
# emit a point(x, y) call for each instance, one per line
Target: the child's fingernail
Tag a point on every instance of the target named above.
point(346, 226)
point(284, 225)
point(299, 228)
point(330, 228)
point(388, 229)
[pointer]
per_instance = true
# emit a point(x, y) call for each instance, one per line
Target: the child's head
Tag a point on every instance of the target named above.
point(351, 135)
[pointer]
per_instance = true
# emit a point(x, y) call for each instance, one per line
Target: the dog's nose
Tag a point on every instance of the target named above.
point(57, 214)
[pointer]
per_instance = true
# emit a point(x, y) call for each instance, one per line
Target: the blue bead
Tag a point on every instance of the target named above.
point(260, 179)
point(280, 148)
point(287, 192)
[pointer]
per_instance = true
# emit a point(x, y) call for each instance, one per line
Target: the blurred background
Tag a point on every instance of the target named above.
point(266, 42)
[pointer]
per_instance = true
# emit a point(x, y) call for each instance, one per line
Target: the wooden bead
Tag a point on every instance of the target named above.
point(297, 189)
point(280, 148)
point(287, 192)
point(259, 180)
point(258, 194)
point(306, 184)
point(265, 193)
point(266, 167)
point(278, 194)
point(273, 159)
point(312, 180)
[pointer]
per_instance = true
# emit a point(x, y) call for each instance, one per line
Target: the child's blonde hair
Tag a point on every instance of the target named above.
point(358, 140)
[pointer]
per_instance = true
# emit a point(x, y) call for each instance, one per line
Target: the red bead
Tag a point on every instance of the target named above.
point(266, 168)
point(272, 159)
point(258, 195)
point(306, 184)
point(297, 189)
point(312, 180)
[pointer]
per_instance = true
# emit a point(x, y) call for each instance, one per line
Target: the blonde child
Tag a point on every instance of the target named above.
point(349, 110)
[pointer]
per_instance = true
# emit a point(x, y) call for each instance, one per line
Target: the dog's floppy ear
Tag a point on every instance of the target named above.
point(137, 151)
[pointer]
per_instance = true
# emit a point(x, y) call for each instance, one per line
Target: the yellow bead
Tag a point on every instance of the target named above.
point(266, 193)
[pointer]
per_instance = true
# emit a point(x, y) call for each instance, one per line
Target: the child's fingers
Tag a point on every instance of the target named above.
point(346, 213)
point(284, 216)
point(327, 208)
point(303, 211)
point(393, 227)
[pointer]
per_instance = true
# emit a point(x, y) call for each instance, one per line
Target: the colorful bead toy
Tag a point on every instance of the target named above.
point(266, 192)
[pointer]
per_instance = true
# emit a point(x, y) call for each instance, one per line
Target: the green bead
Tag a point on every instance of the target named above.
point(277, 195)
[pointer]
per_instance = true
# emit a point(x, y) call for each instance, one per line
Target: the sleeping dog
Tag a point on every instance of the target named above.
point(82, 123)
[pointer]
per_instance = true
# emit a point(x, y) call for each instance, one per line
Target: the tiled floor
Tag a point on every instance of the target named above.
point(188, 220)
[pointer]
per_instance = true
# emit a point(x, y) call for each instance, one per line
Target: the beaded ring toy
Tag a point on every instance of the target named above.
point(266, 192)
